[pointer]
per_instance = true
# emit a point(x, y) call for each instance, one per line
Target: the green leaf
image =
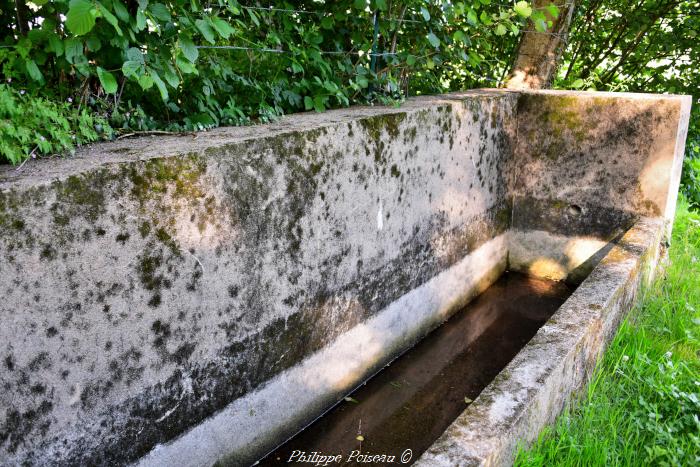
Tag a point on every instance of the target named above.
point(360, 5)
point(121, 11)
point(523, 9)
point(134, 54)
point(80, 18)
point(553, 10)
point(109, 83)
point(111, 19)
point(55, 45)
point(425, 13)
point(500, 30)
point(222, 27)
point(170, 76)
point(380, 4)
point(146, 82)
point(411, 60)
point(160, 12)
point(161, 86)
point(540, 25)
point(308, 103)
point(471, 17)
point(318, 104)
point(131, 68)
point(578, 84)
point(93, 43)
point(73, 49)
point(185, 66)
point(188, 48)
point(33, 70)
point(140, 20)
point(206, 30)
point(433, 39)
point(484, 18)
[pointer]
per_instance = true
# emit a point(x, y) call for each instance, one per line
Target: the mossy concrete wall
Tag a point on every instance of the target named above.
point(589, 164)
point(167, 284)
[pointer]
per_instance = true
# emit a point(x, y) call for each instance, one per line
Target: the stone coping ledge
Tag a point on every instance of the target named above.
point(139, 148)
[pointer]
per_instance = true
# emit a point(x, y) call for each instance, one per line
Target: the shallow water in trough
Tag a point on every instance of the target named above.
point(411, 402)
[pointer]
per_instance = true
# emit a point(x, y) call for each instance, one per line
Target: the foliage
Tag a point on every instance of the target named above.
point(639, 46)
point(690, 181)
point(643, 402)
point(31, 124)
point(188, 65)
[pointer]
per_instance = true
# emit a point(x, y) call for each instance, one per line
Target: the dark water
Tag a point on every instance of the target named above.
point(409, 404)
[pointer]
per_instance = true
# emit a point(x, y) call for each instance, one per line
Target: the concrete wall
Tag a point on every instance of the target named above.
point(242, 281)
point(589, 165)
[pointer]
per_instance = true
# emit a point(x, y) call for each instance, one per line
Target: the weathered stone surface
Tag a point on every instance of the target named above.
point(161, 285)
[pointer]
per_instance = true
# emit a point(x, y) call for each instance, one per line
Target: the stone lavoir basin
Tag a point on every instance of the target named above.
point(200, 300)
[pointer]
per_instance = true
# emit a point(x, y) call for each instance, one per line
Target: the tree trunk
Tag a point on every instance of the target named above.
point(538, 53)
point(22, 17)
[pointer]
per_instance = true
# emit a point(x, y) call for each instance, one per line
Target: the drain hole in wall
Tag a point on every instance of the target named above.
point(575, 210)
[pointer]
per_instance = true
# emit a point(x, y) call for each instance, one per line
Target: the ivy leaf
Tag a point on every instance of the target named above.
point(523, 9)
point(222, 27)
point(109, 83)
point(500, 30)
point(188, 48)
point(206, 30)
point(80, 18)
point(33, 70)
point(433, 39)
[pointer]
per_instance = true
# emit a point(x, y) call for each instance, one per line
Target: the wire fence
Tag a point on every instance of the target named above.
point(375, 18)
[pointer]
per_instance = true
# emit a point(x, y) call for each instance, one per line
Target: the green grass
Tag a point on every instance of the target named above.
point(642, 406)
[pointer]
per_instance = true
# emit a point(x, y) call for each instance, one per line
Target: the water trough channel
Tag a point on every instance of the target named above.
point(411, 402)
